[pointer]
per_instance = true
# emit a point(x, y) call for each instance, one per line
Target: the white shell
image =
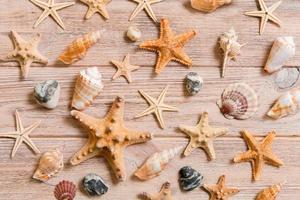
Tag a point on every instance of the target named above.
point(133, 33)
point(282, 50)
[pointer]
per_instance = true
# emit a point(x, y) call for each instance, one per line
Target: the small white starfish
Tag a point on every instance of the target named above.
point(144, 5)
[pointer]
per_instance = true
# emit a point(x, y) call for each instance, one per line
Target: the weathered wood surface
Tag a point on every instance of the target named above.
point(59, 129)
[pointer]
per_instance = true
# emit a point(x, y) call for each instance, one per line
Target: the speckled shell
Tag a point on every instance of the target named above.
point(88, 86)
point(208, 5)
point(238, 101)
point(269, 193)
point(156, 163)
point(78, 48)
point(285, 105)
point(50, 164)
point(65, 190)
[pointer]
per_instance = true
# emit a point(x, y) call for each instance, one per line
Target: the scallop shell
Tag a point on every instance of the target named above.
point(269, 193)
point(87, 87)
point(156, 163)
point(208, 5)
point(78, 48)
point(282, 50)
point(50, 164)
point(285, 105)
point(238, 101)
point(65, 190)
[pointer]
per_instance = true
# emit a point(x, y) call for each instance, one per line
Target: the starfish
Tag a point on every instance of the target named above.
point(51, 9)
point(265, 14)
point(25, 52)
point(202, 135)
point(108, 137)
point(96, 6)
point(164, 194)
point(21, 135)
point(157, 106)
point(220, 191)
point(124, 68)
point(258, 153)
point(169, 46)
point(144, 5)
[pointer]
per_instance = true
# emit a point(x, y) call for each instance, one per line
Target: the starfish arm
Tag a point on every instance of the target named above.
point(133, 67)
point(262, 5)
point(59, 6)
point(137, 1)
point(162, 95)
point(116, 161)
point(263, 22)
point(103, 12)
point(274, 6)
point(250, 140)
point(244, 157)
point(117, 75)
point(203, 120)
point(180, 56)
point(189, 148)
point(40, 4)
point(191, 131)
point(274, 19)
point(40, 58)
point(127, 75)
point(148, 111)
point(30, 143)
point(148, 196)
point(221, 182)
point(25, 66)
point(210, 150)
point(29, 129)
point(210, 189)
point(117, 64)
point(257, 165)
point(150, 11)
point(159, 117)
point(231, 191)
point(10, 135)
point(268, 140)
point(164, 57)
point(57, 18)
point(216, 132)
point(154, 1)
point(127, 59)
point(90, 12)
point(88, 121)
point(166, 107)
point(136, 11)
point(17, 144)
point(84, 1)
point(165, 30)
point(116, 112)
point(35, 40)
point(273, 160)
point(148, 98)
point(17, 39)
point(255, 13)
point(135, 137)
point(20, 127)
point(43, 16)
point(11, 56)
point(184, 38)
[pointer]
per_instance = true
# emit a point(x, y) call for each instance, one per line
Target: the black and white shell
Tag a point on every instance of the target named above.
point(94, 185)
point(189, 178)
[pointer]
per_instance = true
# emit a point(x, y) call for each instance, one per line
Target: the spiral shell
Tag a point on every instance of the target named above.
point(50, 164)
point(189, 178)
point(208, 5)
point(87, 87)
point(238, 101)
point(269, 193)
point(156, 163)
point(65, 190)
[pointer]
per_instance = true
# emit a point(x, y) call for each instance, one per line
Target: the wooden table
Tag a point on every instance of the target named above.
point(59, 130)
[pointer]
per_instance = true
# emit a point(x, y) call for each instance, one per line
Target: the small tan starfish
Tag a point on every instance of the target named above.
point(258, 153)
point(21, 135)
point(169, 46)
point(202, 136)
point(164, 194)
point(25, 52)
point(157, 106)
point(220, 191)
point(124, 68)
point(265, 14)
point(51, 9)
point(96, 6)
point(144, 5)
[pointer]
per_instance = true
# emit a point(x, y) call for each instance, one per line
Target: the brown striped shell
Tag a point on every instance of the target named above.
point(65, 190)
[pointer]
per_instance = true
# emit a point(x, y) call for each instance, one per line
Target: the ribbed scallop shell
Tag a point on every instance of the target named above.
point(238, 101)
point(88, 86)
point(269, 193)
point(65, 190)
point(50, 164)
point(156, 163)
point(208, 5)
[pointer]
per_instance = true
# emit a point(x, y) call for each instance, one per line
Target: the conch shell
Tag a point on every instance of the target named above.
point(285, 105)
point(230, 47)
point(208, 5)
point(78, 48)
point(269, 193)
point(88, 86)
point(282, 50)
point(50, 164)
point(156, 163)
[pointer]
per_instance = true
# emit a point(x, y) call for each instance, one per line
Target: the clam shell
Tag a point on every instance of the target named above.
point(87, 87)
point(282, 50)
point(208, 5)
point(269, 193)
point(238, 101)
point(65, 190)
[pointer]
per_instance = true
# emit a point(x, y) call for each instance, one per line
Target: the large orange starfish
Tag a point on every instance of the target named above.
point(169, 46)
point(108, 137)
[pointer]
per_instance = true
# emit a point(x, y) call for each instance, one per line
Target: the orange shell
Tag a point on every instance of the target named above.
point(65, 190)
point(269, 193)
point(208, 5)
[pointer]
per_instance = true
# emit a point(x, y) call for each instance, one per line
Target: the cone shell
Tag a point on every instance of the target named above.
point(238, 101)
point(87, 87)
point(282, 50)
point(285, 105)
point(156, 163)
point(65, 190)
point(78, 48)
point(208, 5)
point(50, 164)
point(269, 193)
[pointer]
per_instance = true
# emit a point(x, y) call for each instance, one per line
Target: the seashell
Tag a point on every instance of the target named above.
point(94, 185)
point(78, 48)
point(282, 50)
point(156, 163)
point(230, 48)
point(208, 5)
point(189, 178)
point(285, 105)
point(269, 193)
point(88, 86)
point(193, 83)
point(133, 33)
point(287, 77)
point(47, 93)
point(50, 164)
point(65, 190)
point(238, 101)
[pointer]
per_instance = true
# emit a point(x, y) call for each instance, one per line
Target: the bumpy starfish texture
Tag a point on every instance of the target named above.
point(220, 191)
point(156, 106)
point(258, 153)
point(108, 137)
point(164, 194)
point(202, 136)
point(265, 14)
point(124, 68)
point(25, 52)
point(96, 6)
point(50, 8)
point(169, 46)
point(21, 135)
point(144, 5)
